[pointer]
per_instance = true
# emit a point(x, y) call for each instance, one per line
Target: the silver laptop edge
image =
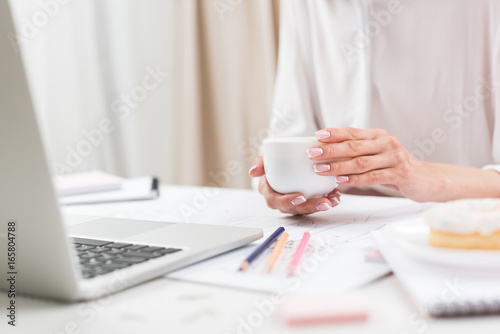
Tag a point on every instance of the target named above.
point(44, 261)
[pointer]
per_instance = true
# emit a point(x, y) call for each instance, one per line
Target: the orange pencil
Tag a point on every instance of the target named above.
point(276, 252)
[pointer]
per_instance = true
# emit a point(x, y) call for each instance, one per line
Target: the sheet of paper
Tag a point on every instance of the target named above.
point(335, 257)
point(334, 260)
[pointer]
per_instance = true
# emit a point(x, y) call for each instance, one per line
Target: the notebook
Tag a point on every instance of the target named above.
point(436, 279)
point(134, 189)
point(86, 183)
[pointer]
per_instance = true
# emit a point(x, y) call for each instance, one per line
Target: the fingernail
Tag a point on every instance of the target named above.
point(298, 200)
point(323, 207)
point(321, 167)
point(335, 201)
point(322, 134)
point(337, 192)
point(254, 165)
point(342, 179)
point(314, 152)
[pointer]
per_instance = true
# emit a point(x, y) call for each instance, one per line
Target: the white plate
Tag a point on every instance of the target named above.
point(412, 236)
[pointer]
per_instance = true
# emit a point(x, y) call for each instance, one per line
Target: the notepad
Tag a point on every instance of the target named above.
point(135, 189)
point(440, 289)
point(86, 182)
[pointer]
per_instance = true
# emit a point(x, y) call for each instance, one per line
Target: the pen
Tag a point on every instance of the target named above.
point(155, 189)
point(276, 252)
point(298, 253)
point(261, 248)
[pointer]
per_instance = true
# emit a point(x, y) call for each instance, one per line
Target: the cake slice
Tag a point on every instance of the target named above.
point(466, 224)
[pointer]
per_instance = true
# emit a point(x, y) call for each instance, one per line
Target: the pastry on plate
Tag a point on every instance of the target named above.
point(466, 224)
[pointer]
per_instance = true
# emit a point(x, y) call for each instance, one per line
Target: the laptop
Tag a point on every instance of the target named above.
point(78, 258)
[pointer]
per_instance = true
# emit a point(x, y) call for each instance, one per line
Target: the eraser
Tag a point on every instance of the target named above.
point(308, 310)
point(374, 256)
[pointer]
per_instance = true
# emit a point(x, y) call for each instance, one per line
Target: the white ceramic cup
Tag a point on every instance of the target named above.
point(288, 168)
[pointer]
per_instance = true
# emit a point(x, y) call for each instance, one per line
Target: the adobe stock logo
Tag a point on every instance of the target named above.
point(30, 27)
point(222, 7)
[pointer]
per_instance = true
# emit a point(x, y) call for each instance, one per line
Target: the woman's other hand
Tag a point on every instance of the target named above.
point(294, 203)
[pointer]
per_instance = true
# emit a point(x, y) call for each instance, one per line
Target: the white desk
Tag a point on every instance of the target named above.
point(170, 306)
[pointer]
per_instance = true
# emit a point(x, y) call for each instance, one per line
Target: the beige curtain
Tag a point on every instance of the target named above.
point(227, 61)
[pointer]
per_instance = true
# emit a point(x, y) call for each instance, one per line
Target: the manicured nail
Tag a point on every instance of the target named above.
point(335, 201)
point(342, 179)
point(321, 167)
point(255, 164)
point(323, 207)
point(337, 192)
point(322, 134)
point(298, 200)
point(314, 152)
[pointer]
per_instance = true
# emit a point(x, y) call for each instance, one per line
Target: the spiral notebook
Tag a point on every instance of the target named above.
point(443, 290)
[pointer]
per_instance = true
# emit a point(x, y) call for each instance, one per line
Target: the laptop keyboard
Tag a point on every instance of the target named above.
point(98, 257)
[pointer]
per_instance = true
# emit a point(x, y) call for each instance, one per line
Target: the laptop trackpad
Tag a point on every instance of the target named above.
point(114, 228)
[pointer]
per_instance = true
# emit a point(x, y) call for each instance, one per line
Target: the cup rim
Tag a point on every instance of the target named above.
point(290, 140)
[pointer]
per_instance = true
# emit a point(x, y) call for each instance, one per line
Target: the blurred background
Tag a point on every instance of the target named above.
point(180, 89)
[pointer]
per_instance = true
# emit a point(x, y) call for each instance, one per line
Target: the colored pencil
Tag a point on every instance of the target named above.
point(261, 248)
point(298, 253)
point(276, 252)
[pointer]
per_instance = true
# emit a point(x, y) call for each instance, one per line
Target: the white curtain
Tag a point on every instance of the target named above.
point(102, 74)
point(176, 88)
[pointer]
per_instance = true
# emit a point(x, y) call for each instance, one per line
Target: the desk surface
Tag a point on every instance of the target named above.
point(170, 306)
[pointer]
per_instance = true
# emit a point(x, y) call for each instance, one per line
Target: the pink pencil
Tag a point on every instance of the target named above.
point(298, 253)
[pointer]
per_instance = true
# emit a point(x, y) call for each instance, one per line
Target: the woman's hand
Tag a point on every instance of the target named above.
point(371, 157)
point(294, 203)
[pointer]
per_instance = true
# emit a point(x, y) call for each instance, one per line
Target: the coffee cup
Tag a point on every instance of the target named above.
point(288, 168)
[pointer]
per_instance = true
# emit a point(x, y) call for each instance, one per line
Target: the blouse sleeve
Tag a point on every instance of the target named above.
point(295, 98)
point(495, 91)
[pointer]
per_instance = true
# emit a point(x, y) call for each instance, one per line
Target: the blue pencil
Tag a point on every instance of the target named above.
point(261, 248)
